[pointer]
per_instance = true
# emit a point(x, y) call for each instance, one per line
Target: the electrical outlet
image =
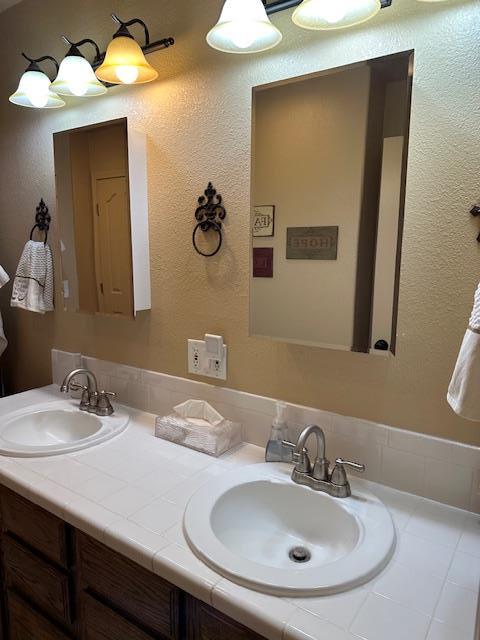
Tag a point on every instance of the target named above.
point(200, 365)
point(196, 353)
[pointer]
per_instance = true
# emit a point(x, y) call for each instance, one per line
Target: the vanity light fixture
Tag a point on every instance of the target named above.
point(76, 76)
point(244, 27)
point(125, 61)
point(34, 87)
point(320, 15)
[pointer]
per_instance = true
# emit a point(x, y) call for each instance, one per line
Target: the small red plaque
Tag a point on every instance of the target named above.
point(263, 262)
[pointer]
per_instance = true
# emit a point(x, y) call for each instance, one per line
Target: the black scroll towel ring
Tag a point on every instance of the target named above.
point(209, 215)
point(42, 220)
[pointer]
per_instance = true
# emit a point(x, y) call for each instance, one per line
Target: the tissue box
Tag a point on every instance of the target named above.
point(196, 425)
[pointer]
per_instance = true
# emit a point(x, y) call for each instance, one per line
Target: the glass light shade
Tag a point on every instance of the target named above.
point(125, 63)
point(77, 78)
point(34, 91)
point(320, 15)
point(244, 27)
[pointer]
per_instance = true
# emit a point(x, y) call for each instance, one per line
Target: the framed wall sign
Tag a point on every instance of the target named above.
point(312, 243)
point(263, 262)
point(264, 221)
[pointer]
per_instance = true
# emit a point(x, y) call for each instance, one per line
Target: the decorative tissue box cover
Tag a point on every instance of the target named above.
point(197, 433)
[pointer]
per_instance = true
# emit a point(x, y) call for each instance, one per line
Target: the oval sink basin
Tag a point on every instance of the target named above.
point(55, 428)
point(261, 530)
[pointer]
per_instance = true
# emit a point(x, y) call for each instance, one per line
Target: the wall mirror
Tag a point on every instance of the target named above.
point(101, 182)
point(329, 172)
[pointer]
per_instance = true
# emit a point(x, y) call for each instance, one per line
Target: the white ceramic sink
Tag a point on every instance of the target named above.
point(246, 525)
point(54, 428)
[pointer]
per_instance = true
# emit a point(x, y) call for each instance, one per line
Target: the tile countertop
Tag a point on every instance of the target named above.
point(130, 493)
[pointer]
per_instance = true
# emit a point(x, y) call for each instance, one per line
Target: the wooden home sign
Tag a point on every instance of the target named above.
point(312, 243)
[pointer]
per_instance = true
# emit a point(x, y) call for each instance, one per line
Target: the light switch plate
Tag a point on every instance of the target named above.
point(200, 365)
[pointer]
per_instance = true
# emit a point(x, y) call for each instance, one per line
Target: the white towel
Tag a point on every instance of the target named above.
point(4, 278)
point(464, 391)
point(33, 284)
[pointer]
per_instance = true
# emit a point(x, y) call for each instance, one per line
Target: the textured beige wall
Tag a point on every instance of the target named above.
point(198, 117)
point(309, 157)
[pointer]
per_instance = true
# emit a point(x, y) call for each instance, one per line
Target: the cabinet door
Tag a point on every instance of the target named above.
point(206, 623)
point(28, 624)
point(48, 534)
point(128, 588)
point(37, 581)
point(99, 622)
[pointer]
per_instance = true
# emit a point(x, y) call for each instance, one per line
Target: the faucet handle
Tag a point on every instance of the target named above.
point(353, 465)
point(104, 406)
point(78, 387)
point(92, 401)
point(291, 445)
point(339, 475)
point(303, 464)
point(85, 401)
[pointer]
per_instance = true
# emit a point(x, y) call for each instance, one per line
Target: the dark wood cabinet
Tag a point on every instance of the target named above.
point(100, 622)
point(144, 597)
point(36, 580)
point(26, 623)
point(34, 526)
point(206, 623)
point(60, 584)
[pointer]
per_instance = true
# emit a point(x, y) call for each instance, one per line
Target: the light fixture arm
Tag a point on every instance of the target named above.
point(74, 47)
point(148, 47)
point(123, 28)
point(34, 63)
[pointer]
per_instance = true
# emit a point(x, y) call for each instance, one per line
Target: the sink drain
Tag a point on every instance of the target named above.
point(300, 555)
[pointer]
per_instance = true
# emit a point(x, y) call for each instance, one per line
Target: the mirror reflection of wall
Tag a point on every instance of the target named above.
point(97, 200)
point(329, 168)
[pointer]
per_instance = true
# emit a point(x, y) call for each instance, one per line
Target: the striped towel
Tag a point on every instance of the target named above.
point(33, 284)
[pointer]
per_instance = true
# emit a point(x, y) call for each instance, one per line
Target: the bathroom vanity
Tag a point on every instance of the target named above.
point(60, 583)
point(93, 548)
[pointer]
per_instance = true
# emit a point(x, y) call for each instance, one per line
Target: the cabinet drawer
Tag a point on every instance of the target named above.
point(206, 623)
point(35, 526)
point(37, 580)
point(129, 588)
point(28, 624)
point(102, 623)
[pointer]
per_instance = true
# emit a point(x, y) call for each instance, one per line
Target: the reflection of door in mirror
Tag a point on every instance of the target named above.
point(329, 155)
point(95, 218)
point(112, 243)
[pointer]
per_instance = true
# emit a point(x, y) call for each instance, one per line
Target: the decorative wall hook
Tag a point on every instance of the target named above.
point(475, 211)
point(42, 220)
point(209, 215)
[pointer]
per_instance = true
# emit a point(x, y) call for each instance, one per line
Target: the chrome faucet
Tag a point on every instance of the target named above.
point(92, 400)
point(318, 477)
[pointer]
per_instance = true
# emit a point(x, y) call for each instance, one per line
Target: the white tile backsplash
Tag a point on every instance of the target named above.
point(427, 466)
point(62, 363)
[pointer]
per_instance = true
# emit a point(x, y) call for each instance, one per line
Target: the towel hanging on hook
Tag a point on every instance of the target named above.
point(475, 211)
point(42, 220)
